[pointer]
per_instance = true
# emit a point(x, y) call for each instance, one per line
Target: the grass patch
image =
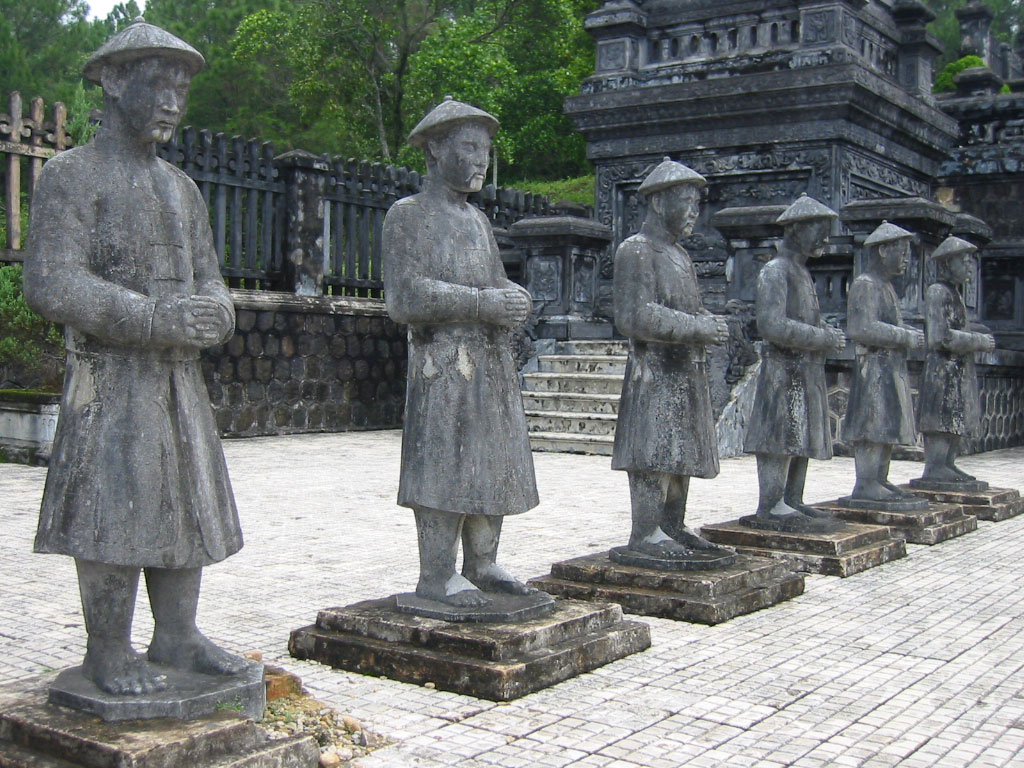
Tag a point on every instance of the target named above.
point(578, 190)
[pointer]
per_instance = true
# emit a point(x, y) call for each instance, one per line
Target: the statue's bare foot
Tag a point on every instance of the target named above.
point(688, 538)
point(902, 493)
point(942, 474)
point(961, 475)
point(122, 673)
point(456, 591)
point(667, 549)
point(872, 490)
point(195, 653)
point(781, 511)
point(491, 577)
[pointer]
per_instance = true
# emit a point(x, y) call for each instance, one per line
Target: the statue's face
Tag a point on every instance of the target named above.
point(151, 95)
point(680, 206)
point(811, 236)
point(894, 257)
point(462, 157)
point(961, 268)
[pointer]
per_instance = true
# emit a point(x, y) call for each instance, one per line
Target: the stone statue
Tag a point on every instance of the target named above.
point(466, 460)
point(666, 429)
point(789, 422)
point(121, 253)
point(949, 403)
point(880, 412)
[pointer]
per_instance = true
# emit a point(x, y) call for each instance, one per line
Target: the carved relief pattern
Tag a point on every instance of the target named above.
point(612, 55)
point(863, 178)
point(583, 283)
point(544, 283)
point(820, 27)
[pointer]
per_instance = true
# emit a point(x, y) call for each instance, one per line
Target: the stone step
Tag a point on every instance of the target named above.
point(993, 504)
point(596, 347)
point(575, 423)
point(566, 442)
point(610, 364)
point(932, 525)
point(851, 549)
point(590, 383)
point(13, 756)
point(570, 402)
point(290, 752)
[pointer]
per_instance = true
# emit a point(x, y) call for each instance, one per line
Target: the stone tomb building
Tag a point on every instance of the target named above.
point(771, 98)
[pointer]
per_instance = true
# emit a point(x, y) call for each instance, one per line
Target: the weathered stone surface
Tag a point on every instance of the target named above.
point(991, 504)
point(188, 695)
point(852, 548)
point(707, 597)
point(499, 608)
point(496, 661)
point(34, 734)
point(932, 525)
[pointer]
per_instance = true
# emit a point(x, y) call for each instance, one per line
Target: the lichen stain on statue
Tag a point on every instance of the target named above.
point(666, 431)
point(950, 401)
point(789, 421)
point(879, 412)
point(121, 253)
point(466, 460)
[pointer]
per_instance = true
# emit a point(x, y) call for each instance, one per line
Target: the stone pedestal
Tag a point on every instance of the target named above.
point(932, 525)
point(496, 661)
point(188, 695)
point(850, 549)
point(707, 596)
point(991, 504)
point(34, 733)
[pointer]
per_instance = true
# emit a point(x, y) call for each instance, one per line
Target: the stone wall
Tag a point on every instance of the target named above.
point(307, 364)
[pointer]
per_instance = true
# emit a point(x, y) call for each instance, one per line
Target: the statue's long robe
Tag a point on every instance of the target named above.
point(465, 446)
point(137, 476)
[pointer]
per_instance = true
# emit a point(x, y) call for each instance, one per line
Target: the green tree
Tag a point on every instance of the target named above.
point(1006, 24)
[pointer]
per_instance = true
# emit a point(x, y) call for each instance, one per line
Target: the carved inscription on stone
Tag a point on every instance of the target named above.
point(819, 27)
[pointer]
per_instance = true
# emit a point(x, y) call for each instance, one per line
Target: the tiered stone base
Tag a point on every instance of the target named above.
point(35, 734)
point(933, 525)
point(497, 661)
point(704, 596)
point(991, 504)
point(851, 549)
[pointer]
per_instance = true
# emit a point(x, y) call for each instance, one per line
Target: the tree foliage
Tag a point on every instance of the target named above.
point(1008, 21)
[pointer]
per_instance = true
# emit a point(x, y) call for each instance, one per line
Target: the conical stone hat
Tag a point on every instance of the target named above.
point(669, 173)
point(806, 209)
point(449, 112)
point(953, 246)
point(139, 40)
point(887, 233)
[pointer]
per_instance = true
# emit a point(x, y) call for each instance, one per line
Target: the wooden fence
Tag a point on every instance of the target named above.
point(248, 197)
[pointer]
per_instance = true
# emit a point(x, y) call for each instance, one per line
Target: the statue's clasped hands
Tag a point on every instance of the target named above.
point(504, 306)
point(915, 338)
point(716, 329)
point(195, 321)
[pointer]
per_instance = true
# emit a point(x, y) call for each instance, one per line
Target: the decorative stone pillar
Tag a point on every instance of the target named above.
point(620, 26)
point(563, 255)
point(976, 30)
point(918, 49)
point(305, 177)
point(977, 81)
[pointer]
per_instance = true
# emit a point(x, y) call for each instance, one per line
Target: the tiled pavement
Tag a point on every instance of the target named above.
point(916, 663)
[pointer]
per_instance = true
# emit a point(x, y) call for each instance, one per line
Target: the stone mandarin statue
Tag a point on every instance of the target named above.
point(950, 404)
point(880, 411)
point(466, 460)
point(789, 422)
point(666, 428)
point(121, 253)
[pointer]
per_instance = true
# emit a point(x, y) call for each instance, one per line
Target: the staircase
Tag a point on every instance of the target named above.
point(572, 399)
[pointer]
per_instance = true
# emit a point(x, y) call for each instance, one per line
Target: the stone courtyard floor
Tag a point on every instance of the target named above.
point(919, 662)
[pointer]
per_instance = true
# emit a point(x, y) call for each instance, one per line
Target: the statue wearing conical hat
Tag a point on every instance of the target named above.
point(665, 432)
point(880, 412)
point(950, 403)
point(789, 422)
point(466, 460)
point(121, 254)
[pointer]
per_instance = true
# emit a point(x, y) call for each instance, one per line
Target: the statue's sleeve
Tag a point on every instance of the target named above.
point(205, 265)
point(637, 311)
point(412, 294)
point(864, 307)
point(940, 333)
point(772, 321)
point(57, 281)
